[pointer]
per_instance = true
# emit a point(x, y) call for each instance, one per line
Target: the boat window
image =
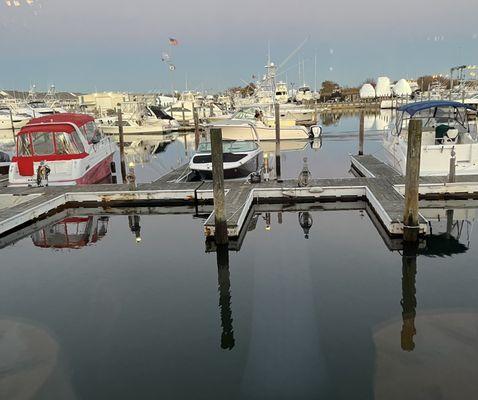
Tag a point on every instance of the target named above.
point(65, 144)
point(24, 145)
point(79, 144)
point(92, 131)
point(43, 143)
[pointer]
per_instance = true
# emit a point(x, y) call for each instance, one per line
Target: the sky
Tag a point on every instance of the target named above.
point(118, 44)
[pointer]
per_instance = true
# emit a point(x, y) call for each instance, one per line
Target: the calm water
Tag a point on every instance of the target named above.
point(329, 158)
point(313, 305)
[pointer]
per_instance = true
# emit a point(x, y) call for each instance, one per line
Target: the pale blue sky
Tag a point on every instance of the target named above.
point(117, 45)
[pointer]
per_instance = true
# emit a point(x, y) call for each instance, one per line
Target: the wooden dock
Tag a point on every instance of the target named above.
point(376, 184)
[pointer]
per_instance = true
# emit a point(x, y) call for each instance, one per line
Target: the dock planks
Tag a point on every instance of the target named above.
point(379, 185)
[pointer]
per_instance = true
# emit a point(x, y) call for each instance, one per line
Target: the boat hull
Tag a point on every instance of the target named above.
point(232, 170)
point(246, 132)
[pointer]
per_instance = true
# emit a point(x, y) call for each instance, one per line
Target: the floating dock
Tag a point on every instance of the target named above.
point(377, 184)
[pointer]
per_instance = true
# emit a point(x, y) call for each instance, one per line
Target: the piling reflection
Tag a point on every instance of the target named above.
point(409, 299)
point(306, 222)
point(223, 277)
point(134, 221)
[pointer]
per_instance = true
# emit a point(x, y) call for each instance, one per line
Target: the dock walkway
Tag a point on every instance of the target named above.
point(376, 183)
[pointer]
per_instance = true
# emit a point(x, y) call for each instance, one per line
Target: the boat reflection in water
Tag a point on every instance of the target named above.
point(72, 233)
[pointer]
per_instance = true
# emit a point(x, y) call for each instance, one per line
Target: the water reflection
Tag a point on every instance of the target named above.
point(135, 227)
point(409, 300)
point(223, 278)
point(72, 233)
point(300, 290)
point(305, 221)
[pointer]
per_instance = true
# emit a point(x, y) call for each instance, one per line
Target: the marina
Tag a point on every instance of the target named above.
point(245, 201)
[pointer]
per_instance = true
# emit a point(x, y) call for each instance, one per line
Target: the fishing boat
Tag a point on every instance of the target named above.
point(303, 94)
point(61, 149)
point(447, 128)
point(138, 119)
point(258, 122)
point(240, 159)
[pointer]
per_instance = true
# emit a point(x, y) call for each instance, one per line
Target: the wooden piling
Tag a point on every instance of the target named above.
point(452, 172)
point(184, 116)
point(220, 221)
point(121, 142)
point(410, 215)
point(211, 110)
point(196, 128)
point(361, 133)
point(12, 124)
point(277, 127)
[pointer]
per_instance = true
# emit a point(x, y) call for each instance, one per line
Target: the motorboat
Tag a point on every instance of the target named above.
point(61, 149)
point(19, 120)
point(447, 127)
point(36, 109)
point(304, 94)
point(240, 159)
point(250, 120)
point(138, 119)
point(282, 94)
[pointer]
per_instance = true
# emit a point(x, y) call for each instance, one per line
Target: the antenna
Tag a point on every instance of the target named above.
point(287, 59)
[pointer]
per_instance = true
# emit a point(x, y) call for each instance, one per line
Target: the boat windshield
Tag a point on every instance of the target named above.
point(37, 104)
point(433, 117)
point(229, 146)
point(246, 113)
point(49, 143)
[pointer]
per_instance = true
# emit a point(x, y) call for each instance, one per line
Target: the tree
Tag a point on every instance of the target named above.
point(329, 87)
point(370, 81)
point(424, 82)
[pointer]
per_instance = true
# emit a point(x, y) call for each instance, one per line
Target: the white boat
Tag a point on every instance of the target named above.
point(249, 121)
point(240, 159)
point(35, 109)
point(446, 128)
point(19, 120)
point(303, 94)
point(61, 149)
point(138, 119)
point(282, 94)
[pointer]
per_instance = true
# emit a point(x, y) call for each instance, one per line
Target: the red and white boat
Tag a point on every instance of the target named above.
point(71, 146)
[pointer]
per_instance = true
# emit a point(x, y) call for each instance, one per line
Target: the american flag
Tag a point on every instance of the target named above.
point(173, 42)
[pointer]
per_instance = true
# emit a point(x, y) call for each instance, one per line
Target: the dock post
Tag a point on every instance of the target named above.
point(277, 126)
point(452, 174)
point(196, 128)
point(361, 133)
point(410, 216)
point(221, 235)
point(121, 141)
point(211, 110)
point(182, 110)
point(11, 122)
point(131, 177)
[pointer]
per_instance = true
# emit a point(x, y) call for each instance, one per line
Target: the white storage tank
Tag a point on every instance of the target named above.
point(367, 91)
point(383, 88)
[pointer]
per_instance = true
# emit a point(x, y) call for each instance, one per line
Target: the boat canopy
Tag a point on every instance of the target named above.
point(413, 108)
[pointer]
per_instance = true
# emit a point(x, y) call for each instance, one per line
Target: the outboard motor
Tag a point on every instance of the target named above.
point(315, 131)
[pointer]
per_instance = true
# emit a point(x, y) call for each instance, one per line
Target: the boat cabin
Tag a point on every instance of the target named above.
point(61, 141)
point(443, 122)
